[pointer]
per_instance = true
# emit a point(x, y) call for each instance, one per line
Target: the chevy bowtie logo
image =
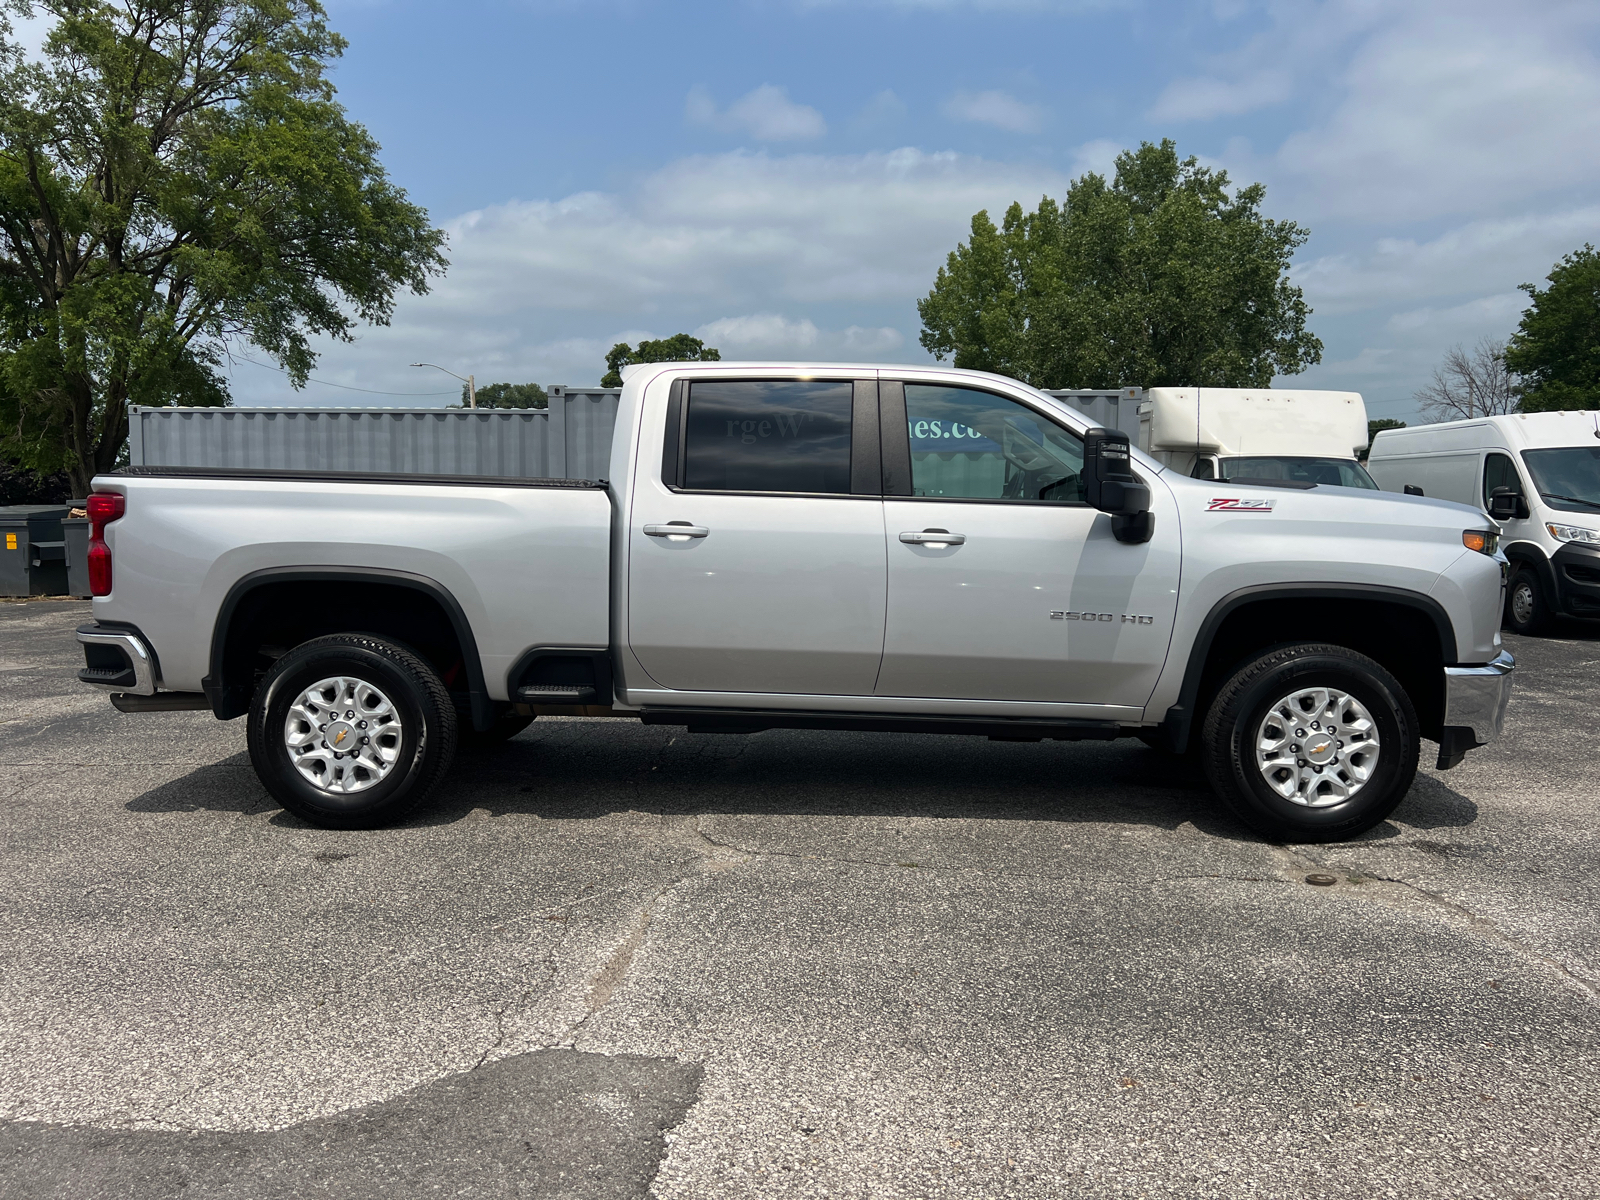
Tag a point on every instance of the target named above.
point(340, 738)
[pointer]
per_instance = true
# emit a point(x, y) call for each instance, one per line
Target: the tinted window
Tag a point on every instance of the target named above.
point(978, 446)
point(1334, 472)
point(769, 436)
point(1498, 473)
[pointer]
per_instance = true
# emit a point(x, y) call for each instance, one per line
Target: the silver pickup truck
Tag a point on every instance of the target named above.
point(910, 550)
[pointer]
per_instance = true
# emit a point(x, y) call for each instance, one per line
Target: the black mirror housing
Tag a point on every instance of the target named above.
point(1110, 486)
point(1506, 504)
point(1413, 490)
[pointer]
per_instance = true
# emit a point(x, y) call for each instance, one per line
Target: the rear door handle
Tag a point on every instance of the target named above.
point(933, 537)
point(674, 529)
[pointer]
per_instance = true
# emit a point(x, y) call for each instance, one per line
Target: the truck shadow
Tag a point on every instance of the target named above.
point(588, 770)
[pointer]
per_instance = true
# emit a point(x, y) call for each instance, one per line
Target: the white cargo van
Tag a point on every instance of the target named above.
point(1272, 436)
point(1545, 468)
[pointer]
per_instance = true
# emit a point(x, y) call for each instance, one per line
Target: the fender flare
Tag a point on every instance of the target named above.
point(1179, 719)
point(231, 698)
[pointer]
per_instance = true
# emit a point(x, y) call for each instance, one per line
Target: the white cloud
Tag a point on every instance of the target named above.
point(766, 114)
point(768, 335)
point(1203, 98)
point(1484, 257)
point(764, 331)
point(999, 109)
point(1099, 156)
point(541, 290)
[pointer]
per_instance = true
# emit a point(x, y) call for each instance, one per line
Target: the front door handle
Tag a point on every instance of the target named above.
point(677, 529)
point(936, 538)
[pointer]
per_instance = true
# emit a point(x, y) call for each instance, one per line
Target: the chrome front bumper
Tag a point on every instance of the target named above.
point(1475, 697)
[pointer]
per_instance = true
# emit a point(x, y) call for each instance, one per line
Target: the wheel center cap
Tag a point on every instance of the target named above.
point(1321, 749)
point(341, 737)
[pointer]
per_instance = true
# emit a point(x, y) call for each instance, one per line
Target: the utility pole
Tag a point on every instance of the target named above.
point(469, 380)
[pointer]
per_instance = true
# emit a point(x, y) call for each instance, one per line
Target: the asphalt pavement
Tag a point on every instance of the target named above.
point(617, 961)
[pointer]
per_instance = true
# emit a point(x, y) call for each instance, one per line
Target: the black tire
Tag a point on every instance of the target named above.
point(1235, 720)
point(1527, 605)
point(506, 726)
point(422, 748)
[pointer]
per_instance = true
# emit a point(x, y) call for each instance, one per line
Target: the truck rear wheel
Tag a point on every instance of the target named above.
point(351, 732)
point(1311, 743)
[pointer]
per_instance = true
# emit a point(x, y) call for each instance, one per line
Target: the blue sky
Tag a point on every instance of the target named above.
point(784, 177)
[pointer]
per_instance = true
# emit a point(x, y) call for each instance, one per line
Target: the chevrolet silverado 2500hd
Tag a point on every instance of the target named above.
point(818, 547)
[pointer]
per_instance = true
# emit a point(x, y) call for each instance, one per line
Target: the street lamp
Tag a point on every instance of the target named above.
point(472, 388)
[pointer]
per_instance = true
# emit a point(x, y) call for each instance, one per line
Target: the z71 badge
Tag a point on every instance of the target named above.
point(1236, 505)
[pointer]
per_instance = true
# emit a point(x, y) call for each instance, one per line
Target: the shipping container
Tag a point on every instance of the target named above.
point(569, 440)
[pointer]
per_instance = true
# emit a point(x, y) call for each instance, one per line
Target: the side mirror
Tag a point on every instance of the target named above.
point(1204, 468)
point(1413, 490)
point(1506, 504)
point(1110, 486)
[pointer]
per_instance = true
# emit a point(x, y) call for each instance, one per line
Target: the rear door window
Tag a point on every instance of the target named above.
point(972, 445)
point(779, 435)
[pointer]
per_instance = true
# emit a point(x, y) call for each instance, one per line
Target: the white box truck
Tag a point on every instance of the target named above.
point(1538, 475)
point(1263, 435)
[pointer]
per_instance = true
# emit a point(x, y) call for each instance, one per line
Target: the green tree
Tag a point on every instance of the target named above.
point(680, 347)
point(1556, 349)
point(508, 395)
point(1160, 278)
point(176, 176)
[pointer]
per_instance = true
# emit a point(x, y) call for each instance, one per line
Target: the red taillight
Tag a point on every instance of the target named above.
point(103, 508)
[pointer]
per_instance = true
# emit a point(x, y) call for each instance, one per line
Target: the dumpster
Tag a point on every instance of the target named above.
point(33, 551)
point(75, 532)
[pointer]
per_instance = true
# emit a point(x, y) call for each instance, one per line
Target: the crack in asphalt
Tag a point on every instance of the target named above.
point(1487, 927)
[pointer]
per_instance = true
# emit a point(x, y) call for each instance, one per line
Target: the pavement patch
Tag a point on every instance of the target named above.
point(554, 1123)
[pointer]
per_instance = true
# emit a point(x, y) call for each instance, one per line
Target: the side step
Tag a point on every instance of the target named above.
point(1007, 729)
point(555, 693)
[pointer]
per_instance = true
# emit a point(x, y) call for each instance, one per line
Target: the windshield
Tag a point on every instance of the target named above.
point(1335, 472)
point(1567, 477)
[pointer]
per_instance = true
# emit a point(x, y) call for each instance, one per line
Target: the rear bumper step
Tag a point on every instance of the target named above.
point(118, 661)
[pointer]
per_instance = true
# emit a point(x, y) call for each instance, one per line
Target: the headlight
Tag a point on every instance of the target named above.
point(1483, 541)
point(1573, 533)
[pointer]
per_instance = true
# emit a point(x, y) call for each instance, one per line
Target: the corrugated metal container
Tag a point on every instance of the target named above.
point(1114, 408)
point(569, 440)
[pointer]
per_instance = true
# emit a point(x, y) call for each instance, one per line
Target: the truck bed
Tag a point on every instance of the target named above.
point(528, 561)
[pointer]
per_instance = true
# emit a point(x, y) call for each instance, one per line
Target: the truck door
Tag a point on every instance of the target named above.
point(756, 547)
point(1003, 583)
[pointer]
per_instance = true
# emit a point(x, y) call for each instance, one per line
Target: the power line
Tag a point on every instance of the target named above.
point(343, 386)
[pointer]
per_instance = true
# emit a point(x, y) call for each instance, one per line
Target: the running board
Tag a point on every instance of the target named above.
point(1000, 729)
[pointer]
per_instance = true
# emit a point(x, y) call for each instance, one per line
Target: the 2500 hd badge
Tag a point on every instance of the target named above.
point(1127, 618)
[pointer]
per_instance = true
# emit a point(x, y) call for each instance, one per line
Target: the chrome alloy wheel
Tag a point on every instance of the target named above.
point(343, 735)
point(1522, 602)
point(1317, 747)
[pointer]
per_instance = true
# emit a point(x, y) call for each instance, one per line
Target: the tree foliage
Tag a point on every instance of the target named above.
point(1470, 383)
point(1556, 349)
point(1160, 278)
point(680, 347)
point(175, 176)
point(508, 395)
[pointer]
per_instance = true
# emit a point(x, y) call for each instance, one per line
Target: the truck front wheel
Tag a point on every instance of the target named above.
point(351, 732)
point(1311, 743)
